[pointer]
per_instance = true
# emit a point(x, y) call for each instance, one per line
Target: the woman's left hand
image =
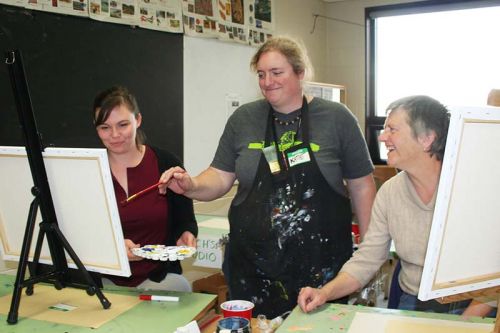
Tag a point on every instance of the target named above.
point(129, 245)
point(187, 239)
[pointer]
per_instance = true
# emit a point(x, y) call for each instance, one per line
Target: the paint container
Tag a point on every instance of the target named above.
point(355, 233)
point(237, 308)
point(233, 325)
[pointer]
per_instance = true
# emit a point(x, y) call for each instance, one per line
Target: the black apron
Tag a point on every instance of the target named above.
point(292, 230)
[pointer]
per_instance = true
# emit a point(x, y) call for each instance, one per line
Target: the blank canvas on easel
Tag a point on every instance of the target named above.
point(463, 253)
point(83, 195)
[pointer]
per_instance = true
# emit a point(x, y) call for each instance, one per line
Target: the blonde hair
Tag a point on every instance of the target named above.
point(294, 52)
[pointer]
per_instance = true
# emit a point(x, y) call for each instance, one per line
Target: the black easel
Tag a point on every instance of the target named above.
point(60, 275)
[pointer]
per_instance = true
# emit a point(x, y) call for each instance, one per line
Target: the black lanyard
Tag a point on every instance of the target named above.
point(305, 130)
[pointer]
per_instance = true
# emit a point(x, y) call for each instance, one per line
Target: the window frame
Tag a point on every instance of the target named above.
point(373, 123)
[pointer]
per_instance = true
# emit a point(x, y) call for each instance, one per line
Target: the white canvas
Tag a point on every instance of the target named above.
point(82, 191)
point(463, 253)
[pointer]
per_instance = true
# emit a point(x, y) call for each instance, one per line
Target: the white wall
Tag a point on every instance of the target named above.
point(212, 70)
point(346, 49)
point(295, 18)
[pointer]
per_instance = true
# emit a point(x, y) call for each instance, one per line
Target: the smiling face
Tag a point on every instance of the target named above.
point(279, 84)
point(119, 131)
point(404, 150)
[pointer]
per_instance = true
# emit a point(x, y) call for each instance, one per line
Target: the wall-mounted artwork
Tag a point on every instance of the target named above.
point(463, 253)
point(242, 21)
point(199, 18)
point(232, 21)
point(83, 195)
point(261, 21)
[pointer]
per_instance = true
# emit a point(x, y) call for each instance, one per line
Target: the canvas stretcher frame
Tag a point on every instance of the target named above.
point(81, 186)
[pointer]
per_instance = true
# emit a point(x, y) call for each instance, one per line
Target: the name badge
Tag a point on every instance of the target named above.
point(272, 159)
point(298, 156)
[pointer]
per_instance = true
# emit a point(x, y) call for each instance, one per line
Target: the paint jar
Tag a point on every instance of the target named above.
point(237, 308)
point(355, 233)
point(233, 325)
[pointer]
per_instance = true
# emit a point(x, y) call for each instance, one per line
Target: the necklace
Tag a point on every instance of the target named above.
point(286, 123)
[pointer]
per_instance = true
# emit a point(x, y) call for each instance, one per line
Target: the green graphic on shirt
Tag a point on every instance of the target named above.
point(287, 140)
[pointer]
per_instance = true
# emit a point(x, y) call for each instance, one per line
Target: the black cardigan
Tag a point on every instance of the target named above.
point(180, 216)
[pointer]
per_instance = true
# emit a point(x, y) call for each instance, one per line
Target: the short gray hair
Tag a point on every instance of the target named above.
point(425, 115)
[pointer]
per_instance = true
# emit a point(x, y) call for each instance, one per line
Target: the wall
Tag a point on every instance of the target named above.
point(346, 49)
point(213, 70)
point(295, 18)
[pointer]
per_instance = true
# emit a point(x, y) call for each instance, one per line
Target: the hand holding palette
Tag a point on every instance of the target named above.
point(164, 253)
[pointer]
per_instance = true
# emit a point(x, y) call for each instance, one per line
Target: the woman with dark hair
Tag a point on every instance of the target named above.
point(153, 218)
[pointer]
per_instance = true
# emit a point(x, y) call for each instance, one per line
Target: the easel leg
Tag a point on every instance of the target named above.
point(92, 289)
point(23, 263)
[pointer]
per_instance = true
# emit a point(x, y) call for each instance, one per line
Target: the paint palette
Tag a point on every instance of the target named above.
point(164, 253)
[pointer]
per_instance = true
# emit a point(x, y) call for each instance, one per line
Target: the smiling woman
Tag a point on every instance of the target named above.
point(415, 135)
point(291, 217)
point(152, 218)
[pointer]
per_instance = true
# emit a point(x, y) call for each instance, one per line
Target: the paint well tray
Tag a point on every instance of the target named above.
point(164, 253)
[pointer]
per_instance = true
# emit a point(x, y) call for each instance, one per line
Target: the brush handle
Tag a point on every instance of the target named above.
point(138, 194)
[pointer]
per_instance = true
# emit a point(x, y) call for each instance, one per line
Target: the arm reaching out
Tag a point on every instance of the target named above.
point(208, 185)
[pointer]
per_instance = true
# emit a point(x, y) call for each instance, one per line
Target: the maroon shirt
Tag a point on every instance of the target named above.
point(144, 219)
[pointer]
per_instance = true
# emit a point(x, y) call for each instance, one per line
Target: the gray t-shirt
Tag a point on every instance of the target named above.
point(335, 137)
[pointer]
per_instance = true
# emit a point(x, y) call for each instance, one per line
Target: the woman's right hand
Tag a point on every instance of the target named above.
point(176, 179)
point(129, 245)
point(310, 298)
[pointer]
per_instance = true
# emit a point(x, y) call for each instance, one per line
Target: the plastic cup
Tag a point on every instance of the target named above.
point(237, 308)
point(233, 325)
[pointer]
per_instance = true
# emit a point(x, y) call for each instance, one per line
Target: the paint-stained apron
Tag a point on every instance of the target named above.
point(293, 230)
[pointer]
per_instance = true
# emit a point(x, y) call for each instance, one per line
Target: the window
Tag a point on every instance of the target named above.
point(445, 49)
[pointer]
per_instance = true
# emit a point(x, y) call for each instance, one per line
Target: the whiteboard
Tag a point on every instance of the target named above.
point(84, 201)
point(463, 252)
point(216, 76)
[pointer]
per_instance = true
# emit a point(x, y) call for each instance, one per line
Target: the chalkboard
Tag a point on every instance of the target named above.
point(69, 59)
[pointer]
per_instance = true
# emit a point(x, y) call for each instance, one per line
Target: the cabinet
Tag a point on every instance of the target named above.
point(331, 92)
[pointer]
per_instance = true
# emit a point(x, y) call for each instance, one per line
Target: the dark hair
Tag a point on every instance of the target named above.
point(108, 99)
point(425, 115)
point(294, 52)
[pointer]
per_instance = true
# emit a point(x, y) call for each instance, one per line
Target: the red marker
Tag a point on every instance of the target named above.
point(159, 298)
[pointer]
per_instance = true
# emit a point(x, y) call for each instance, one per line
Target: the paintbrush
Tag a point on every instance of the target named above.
point(138, 194)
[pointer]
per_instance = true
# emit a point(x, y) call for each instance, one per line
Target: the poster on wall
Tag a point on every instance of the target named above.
point(261, 21)
point(17, 3)
point(162, 15)
point(199, 18)
point(115, 11)
point(232, 23)
point(69, 7)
